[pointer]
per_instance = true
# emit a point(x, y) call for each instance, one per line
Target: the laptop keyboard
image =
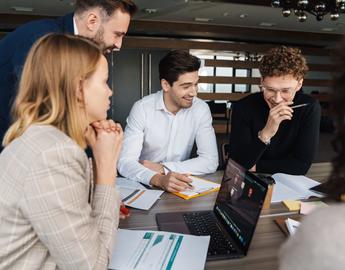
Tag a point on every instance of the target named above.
point(204, 223)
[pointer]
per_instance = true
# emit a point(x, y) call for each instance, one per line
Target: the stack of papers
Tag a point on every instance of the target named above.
point(135, 195)
point(292, 225)
point(293, 187)
point(201, 187)
point(158, 251)
point(308, 207)
point(125, 182)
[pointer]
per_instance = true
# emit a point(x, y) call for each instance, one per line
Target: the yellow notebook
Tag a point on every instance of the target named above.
point(201, 187)
point(292, 205)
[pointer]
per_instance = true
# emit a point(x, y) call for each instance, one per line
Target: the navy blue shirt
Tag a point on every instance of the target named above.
point(14, 48)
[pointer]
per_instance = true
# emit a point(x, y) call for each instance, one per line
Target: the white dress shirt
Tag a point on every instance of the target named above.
point(75, 28)
point(153, 133)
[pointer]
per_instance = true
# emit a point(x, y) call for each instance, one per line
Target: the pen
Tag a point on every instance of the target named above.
point(166, 167)
point(299, 105)
point(124, 210)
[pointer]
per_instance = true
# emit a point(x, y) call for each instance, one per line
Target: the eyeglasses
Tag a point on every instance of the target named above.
point(273, 91)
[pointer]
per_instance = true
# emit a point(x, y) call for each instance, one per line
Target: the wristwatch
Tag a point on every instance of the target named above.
point(264, 140)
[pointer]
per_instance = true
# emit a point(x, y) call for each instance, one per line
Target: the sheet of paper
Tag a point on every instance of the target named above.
point(292, 225)
point(158, 250)
point(139, 198)
point(125, 182)
point(293, 187)
point(282, 192)
point(200, 186)
point(308, 207)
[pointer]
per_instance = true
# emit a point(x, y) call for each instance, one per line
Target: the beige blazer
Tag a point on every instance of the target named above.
point(47, 218)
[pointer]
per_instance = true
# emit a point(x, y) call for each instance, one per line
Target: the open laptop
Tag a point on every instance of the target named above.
point(233, 220)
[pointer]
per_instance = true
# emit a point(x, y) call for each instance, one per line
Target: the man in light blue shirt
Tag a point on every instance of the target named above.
point(162, 128)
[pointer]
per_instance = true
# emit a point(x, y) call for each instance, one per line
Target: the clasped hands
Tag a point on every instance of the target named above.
point(105, 139)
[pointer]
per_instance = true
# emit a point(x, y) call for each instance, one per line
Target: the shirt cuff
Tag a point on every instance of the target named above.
point(145, 176)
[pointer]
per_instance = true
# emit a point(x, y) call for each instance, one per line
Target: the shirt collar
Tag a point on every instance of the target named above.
point(160, 105)
point(75, 28)
point(160, 102)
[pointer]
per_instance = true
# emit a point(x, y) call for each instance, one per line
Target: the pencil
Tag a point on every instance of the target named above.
point(166, 167)
point(299, 105)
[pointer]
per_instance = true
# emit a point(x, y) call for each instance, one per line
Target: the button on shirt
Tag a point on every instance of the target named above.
point(153, 133)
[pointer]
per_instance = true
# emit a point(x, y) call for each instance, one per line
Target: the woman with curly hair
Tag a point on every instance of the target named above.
point(268, 133)
point(319, 242)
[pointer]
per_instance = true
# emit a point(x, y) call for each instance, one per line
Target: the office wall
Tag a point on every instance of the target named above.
point(134, 74)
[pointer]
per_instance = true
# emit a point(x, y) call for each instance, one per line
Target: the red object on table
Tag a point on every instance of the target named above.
point(124, 210)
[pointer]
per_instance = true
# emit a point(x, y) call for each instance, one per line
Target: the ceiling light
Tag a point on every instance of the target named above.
point(286, 12)
point(334, 16)
point(327, 29)
point(303, 17)
point(197, 19)
point(23, 9)
point(275, 3)
point(317, 8)
point(267, 24)
point(150, 10)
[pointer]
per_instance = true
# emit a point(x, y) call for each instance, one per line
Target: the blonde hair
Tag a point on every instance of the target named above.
point(47, 95)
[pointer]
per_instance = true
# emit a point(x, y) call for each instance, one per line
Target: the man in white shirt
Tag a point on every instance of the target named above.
point(162, 128)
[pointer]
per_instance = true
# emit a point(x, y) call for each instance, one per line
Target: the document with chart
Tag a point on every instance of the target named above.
point(135, 195)
point(139, 198)
point(158, 250)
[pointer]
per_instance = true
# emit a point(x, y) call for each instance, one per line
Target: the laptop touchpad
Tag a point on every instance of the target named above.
point(172, 222)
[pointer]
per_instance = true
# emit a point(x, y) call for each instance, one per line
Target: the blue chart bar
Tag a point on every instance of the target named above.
point(173, 255)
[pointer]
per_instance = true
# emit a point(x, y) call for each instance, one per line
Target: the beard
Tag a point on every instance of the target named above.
point(99, 38)
point(181, 103)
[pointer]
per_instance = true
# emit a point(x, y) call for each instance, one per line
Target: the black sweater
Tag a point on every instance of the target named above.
point(292, 148)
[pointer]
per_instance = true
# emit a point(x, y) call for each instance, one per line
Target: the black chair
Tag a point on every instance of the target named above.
point(220, 113)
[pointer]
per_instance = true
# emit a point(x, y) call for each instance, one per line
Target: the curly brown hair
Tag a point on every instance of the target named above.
point(335, 186)
point(281, 61)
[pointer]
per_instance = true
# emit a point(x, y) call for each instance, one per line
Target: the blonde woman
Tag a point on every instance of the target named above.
point(51, 214)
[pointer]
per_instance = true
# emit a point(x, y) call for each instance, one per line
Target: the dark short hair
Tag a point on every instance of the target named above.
point(281, 61)
point(109, 6)
point(176, 63)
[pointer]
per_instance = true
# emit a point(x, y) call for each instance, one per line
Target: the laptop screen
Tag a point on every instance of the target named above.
point(239, 203)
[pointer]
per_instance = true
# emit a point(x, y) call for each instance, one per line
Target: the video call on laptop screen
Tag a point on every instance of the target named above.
point(239, 202)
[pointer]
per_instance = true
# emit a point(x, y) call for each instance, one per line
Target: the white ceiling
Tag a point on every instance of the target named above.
point(186, 10)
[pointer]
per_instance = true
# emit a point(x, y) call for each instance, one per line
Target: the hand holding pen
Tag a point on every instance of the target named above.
point(299, 105)
point(277, 114)
point(188, 183)
point(172, 181)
